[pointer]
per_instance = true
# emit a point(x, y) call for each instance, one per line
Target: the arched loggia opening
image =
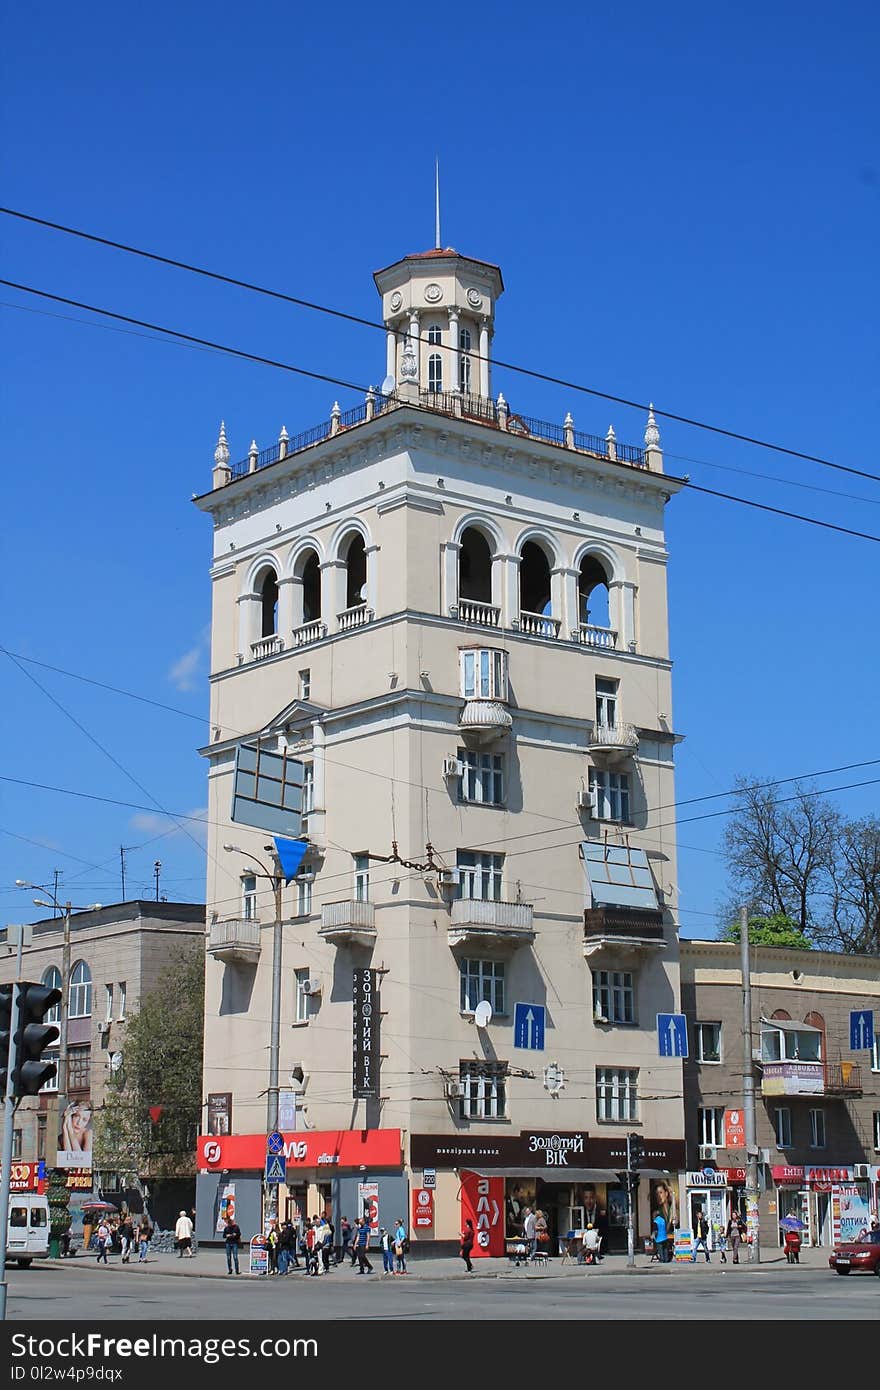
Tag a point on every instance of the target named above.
point(535, 600)
point(310, 573)
point(475, 567)
point(355, 572)
point(593, 605)
point(268, 591)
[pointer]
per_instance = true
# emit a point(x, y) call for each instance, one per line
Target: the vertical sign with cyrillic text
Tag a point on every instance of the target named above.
point(365, 1039)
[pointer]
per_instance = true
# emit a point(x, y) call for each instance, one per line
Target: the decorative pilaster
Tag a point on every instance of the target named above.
point(485, 388)
point(450, 551)
point(454, 379)
point(391, 354)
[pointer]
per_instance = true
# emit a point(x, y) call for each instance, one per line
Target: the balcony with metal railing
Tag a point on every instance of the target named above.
point(612, 742)
point(480, 921)
point(349, 922)
point(236, 940)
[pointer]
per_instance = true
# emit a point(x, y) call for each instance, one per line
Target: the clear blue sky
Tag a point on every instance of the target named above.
point(705, 183)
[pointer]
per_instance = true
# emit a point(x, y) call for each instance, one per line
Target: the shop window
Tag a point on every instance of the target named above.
point(617, 1093)
point(484, 1086)
point(710, 1126)
point(479, 875)
point(481, 979)
point(782, 1127)
point(708, 1042)
point(483, 780)
point(613, 996)
point(817, 1129)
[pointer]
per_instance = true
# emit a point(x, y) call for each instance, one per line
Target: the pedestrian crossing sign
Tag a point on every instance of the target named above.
point(276, 1168)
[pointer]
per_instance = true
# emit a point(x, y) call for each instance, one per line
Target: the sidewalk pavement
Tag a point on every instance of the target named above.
point(211, 1264)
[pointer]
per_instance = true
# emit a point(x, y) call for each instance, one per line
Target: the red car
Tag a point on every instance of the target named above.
point(860, 1254)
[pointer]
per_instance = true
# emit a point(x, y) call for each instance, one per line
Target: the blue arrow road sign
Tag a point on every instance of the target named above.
point(274, 1143)
point(672, 1038)
point(528, 1026)
point(861, 1030)
point(276, 1168)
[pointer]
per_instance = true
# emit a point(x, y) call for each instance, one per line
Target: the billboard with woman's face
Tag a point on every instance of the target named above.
point(665, 1201)
point(75, 1139)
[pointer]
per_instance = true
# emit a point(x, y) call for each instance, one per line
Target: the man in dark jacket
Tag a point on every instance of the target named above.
point(362, 1244)
point(232, 1240)
point(701, 1235)
point(287, 1248)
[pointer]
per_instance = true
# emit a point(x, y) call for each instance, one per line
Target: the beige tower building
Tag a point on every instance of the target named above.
point(452, 619)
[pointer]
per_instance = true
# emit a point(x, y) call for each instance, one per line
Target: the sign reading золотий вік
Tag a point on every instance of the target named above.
point(365, 1036)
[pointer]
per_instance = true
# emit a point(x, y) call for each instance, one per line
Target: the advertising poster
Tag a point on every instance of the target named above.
point(519, 1195)
point(368, 1201)
point(287, 1111)
point(850, 1214)
point(422, 1208)
point(664, 1199)
point(482, 1200)
point(365, 1034)
point(226, 1205)
point(734, 1129)
point(75, 1139)
point(220, 1112)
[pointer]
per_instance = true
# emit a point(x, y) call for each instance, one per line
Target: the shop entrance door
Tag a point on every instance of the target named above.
point(713, 1202)
point(823, 1228)
point(790, 1202)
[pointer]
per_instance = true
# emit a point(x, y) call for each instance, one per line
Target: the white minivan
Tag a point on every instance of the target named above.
point(28, 1230)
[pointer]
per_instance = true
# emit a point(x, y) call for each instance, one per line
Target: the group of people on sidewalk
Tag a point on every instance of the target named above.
point(130, 1234)
point(314, 1240)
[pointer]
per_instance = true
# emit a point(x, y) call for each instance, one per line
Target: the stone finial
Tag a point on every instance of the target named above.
point(221, 453)
point(283, 442)
point(253, 455)
point(335, 417)
point(611, 443)
point(610, 434)
point(370, 403)
point(502, 409)
point(652, 434)
point(568, 430)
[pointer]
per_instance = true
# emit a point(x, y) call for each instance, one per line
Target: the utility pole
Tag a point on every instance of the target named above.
point(751, 1127)
point(61, 1098)
point(122, 868)
point(630, 1203)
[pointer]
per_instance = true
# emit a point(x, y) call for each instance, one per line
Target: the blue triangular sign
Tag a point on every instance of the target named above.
point(290, 855)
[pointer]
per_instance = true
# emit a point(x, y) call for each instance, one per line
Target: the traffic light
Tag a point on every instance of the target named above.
point(5, 1033)
point(636, 1149)
point(30, 1073)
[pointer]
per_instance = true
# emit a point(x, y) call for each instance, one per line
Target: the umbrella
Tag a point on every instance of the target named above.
point(99, 1206)
point(793, 1223)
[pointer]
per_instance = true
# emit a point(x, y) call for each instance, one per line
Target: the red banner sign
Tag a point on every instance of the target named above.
point(787, 1173)
point(422, 1208)
point(336, 1149)
point(482, 1200)
point(24, 1177)
point(735, 1175)
point(79, 1179)
point(826, 1176)
point(734, 1129)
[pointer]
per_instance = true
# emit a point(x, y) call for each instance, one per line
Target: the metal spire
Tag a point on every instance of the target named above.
point(437, 204)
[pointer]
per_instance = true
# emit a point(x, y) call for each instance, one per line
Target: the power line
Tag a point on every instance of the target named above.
point(354, 386)
point(381, 327)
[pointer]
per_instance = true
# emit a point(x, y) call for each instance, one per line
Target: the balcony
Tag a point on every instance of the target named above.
point(477, 922)
point(623, 929)
point(843, 1079)
point(235, 940)
point(477, 614)
point(589, 635)
point(348, 923)
point(484, 720)
point(538, 625)
point(351, 618)
point(612, 743)
point(309, 632)
point(266, 646)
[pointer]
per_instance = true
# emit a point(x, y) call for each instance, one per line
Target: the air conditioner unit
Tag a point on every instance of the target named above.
point(706, 1151)
point(588, 801)
point(453, 767)
point(862, 1170)
point(311, 986)
point(104, 1026)
point(448, 878)
point(454, 1090)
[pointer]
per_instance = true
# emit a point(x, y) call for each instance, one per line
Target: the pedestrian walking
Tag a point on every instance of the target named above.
point(126, 1238)
point(145, 1235)
point(701, 1233)
point(102, 1235)
point(793, 1247)
point(326, 1243)
point(721, 1242)
point(660, 1236)
point(345, 1236)
point(362, 1245)
point(529, 1234)
point(387, 1251)
point(287, 1248)
point(467, 1244)
point(273, 1237)
point(734, 1236)
point(232, 1240)
point(183, 1232)
point(400, 1244)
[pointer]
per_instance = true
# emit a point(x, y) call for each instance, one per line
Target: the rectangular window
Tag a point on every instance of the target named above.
point(789, 1045)
point(109, 995)
point(305, 684)
point(877, 1129)
point(16, 1143)
point(817, 1129)
point(122, 998)
point(479, 875)
point(308, 793)
point(710, 1126)
point(612, 794)
point(481, 979)
point(249, 897)
point(606, 703)
point(41, 1137)
point(52, 1083)
point(483, 673)
point(362, 878)
point(613, 996)
point(782, 1127)
point(875, 1055)
point(304, 895)
point(483, 778)
point(302, 1005)
point(708, 1042)
point(484, 1090)
point(79, 1068)
point(617, 1093)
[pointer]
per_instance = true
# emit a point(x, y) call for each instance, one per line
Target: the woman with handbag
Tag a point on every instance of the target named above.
point(542, 1235)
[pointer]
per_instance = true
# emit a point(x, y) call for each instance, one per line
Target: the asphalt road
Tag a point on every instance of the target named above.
point(735, 1294)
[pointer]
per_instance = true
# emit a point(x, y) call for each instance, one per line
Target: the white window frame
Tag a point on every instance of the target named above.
point(875, 1055)
point(249, 897)
point(52, 1084)
point(700, 1044)
point(483, 673)
point(818, 1130)
point(434, 335)
point(612, 795)
point(786, 1046)
point(305, 683)
point(16, 1143)
point(302, 1007)
point(710, 1126)
point(108, 994)
point(304, 884)
point(464, 368)
point(123, 995)
point(52, 979)
point(308, 791)
point(361, 877)
point(607, 702)
point(79, 995)
point(482, 783)
point(617, 1095)
point(480, 875)
point(481, 979)
point(782, 1126)
point(435, 372)
point(614, 995)
point(484, 1094)
point(877, 1130)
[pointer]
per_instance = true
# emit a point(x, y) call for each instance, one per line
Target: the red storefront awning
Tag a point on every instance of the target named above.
point(306, 1149)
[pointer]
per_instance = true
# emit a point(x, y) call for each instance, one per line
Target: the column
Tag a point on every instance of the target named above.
point(248, 624)
point(449, 572)
point(567, 611)
point(287, 595)
point(622, 612)
point(485, 387)
point(333, 577)
point(391, 353)
point(453, 355)
point(508, 566)
point(372, 554)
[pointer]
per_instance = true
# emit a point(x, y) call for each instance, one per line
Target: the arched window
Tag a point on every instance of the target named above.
point(269, 604)
point(52, 980)
point(435, 372)
point(435, 335)
point(464, 343)
point(356, 572)
point(79, 1004)
point(534, 580)
point(475, 567)
point(311, 588)
point(593, 593)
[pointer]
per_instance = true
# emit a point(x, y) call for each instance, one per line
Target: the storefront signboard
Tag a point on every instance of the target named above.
point(368, 1204)
point(538, 1150)
point(29, 1177)
point(422, 1208)
point(683, 1248)
point(327, 1149)
point(734, 1129)
point(825, 1177)
point(793, 1079)
point(850, 1213)
point(259, 1255)
point(482, 1200)
point(735, 1176)
point(788, 1174)
point(79, 1179)
point(707, 1177)
point(365, 1040)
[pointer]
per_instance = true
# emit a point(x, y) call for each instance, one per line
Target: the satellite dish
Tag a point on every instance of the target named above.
point(483, 1014)
point(388, 385)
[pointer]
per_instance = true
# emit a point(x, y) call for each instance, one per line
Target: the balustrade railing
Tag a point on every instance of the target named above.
point(351, 618)
point(478, 614)
point(589, 635)
point(538, 625)
point(309, 632)
point(266, 646)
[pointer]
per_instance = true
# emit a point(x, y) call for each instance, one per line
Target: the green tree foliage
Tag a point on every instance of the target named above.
point(161, 1071)
point(777, 930)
